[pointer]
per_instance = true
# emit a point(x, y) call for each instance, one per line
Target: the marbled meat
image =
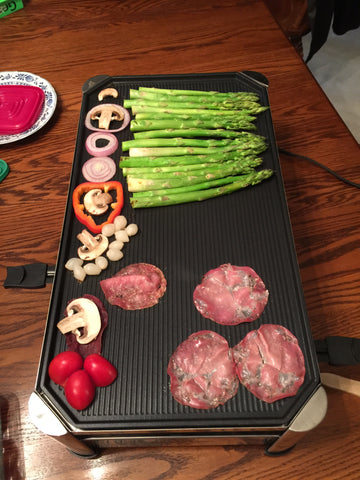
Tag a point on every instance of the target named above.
point(230, 295)
point(137, 286)
point(270, 363)
point(202, 371)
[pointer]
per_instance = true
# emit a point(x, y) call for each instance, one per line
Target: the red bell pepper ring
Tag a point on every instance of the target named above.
point(79, 208)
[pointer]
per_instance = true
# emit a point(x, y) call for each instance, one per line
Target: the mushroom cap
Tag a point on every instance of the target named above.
point(83, 314)
point(107, 92)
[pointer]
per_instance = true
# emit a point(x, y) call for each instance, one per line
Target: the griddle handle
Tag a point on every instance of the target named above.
point(33, 275)
point(338, 351)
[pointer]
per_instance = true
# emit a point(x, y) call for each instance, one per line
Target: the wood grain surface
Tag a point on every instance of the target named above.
point(68, 42)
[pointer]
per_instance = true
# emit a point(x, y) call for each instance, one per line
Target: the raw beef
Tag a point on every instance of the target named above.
point(231, 295)
point(270, 363)
point(134, 287)
point(94, 346)
point(202, 371)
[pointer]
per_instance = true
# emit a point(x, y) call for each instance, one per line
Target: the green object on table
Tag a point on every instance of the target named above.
point(4, 169)
point(10, 6)
point(199, 195)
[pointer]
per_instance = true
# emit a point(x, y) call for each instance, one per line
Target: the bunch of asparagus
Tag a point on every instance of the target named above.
point(191, 145)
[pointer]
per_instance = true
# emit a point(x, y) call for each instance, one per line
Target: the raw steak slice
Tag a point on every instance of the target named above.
point(134, 287)
point(231, 295)
point(270, 363)
point(95, 345)
point(202, 371)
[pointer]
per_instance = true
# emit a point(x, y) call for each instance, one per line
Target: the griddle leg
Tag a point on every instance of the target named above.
point(76, 446)
point(47, 422)
point(309, 417)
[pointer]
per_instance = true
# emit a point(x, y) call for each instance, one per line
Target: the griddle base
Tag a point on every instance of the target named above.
point(277, 442)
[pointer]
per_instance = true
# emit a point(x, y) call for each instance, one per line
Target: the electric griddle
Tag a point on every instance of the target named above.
point(250, 227)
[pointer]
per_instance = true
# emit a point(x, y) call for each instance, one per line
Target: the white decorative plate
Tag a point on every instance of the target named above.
point(25, 78)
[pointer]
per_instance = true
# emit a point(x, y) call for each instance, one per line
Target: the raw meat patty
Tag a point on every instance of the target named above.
point(270, 363)
point(231, 295)
point(134, 287)
point(202, 371)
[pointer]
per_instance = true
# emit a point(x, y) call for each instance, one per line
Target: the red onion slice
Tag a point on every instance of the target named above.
point(105, 151)
point(99, 169)
point(125, 123)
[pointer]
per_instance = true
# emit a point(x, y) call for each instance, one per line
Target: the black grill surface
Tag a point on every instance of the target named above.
point(250, 227)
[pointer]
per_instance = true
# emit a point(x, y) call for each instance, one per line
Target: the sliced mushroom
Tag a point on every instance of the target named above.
point(106, 113)
point(96, 201)
point(92, 246)
point(107, 92)
point(83, 320)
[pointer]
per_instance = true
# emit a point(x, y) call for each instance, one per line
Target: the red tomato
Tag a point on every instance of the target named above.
point(79, 390)
point(63, 365)
point(101, 370)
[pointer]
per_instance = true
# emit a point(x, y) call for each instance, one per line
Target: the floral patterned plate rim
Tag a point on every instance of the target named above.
point(26, 78)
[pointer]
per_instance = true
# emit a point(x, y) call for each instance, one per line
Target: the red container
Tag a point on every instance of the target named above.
point(20, 107)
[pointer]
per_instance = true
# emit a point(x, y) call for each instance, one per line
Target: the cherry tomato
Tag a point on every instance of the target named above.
point(101, 370)
point(79, 390)
point(63, 365)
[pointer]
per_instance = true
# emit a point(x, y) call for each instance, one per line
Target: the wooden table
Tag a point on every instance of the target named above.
point(69, 42)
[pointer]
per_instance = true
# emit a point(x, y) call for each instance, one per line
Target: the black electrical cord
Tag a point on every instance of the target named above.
point(318, 164)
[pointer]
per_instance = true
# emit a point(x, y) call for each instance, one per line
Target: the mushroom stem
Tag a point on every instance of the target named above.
point(72, 324)
point(105, 114)
point(88, 240)
point(103, 199)
point(81, 313)
point(92, 246)
point(96, 201)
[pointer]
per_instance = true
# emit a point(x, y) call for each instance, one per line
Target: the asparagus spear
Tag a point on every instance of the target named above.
point(218, 182)
point(196, 111)
point(175, 142)
point(232, 168)
point(169, 91)
point(203, 116)
point(199, 195)
point(250, 139)
point(188, 133)
point(195, 103)
point(176, 151)
point(193, 146)
point(180, 170)
point(185, 159)
point(160, 181)
point(177, 123)
point(159, 94)
point(144, 172)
